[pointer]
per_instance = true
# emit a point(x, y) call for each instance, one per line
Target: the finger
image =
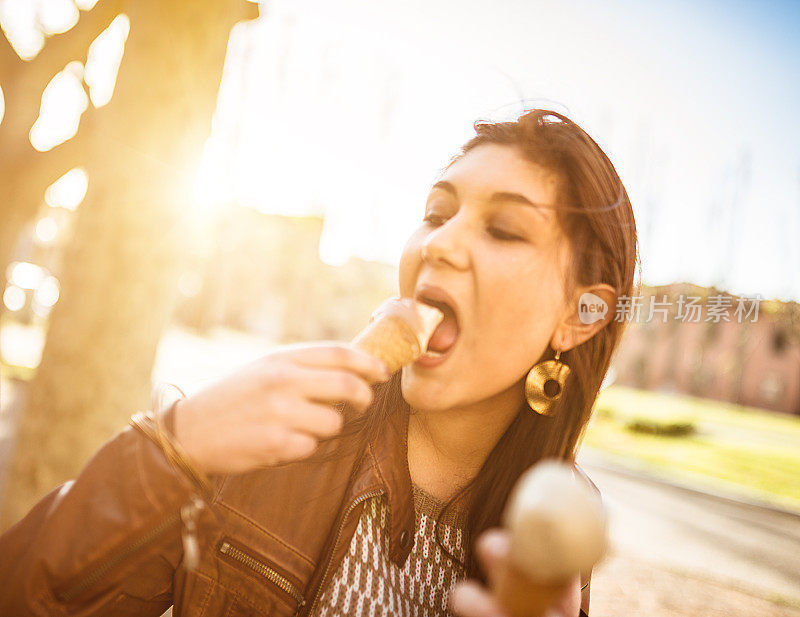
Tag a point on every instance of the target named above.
point(342, 356)
point(314, 418)
point(469, 599)
point(492, 548)
point(273, 445)
point(332, 386)
point(297, 445)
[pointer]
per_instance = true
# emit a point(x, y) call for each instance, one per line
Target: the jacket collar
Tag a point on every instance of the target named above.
point(384, 466)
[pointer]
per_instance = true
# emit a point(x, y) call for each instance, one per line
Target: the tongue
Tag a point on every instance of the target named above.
point(444, 337)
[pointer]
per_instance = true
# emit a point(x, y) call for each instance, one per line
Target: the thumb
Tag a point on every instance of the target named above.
point(492, 548)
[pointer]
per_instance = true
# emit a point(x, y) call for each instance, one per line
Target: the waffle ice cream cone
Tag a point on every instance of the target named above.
point(399, 331)
point(520, 596)
point(558, 530)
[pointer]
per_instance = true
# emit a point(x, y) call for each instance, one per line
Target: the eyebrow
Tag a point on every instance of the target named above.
point(501, 196)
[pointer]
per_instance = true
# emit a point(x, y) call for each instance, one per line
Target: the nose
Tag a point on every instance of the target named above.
point(446, 245)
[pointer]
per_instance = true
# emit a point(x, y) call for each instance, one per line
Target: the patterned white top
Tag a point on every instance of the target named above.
point(368, 584)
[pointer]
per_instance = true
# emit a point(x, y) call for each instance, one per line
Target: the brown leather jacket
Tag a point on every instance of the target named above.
point(110, 542)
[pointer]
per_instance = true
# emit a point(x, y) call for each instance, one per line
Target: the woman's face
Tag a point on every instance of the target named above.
point(501, 261)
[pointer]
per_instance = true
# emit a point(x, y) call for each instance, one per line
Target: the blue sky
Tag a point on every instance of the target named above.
point(349, 109)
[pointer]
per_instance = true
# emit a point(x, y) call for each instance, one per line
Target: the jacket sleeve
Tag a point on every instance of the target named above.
point(106, 543)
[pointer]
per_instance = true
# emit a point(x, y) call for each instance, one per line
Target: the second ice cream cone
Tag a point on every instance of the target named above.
point(520, 596)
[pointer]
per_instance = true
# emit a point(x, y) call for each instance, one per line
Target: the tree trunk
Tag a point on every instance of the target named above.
point(118, 272)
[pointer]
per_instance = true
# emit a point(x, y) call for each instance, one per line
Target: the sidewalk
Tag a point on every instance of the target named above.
point(679, 551)
point(625, 587)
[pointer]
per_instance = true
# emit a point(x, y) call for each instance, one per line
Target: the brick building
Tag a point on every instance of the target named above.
point(753, 361)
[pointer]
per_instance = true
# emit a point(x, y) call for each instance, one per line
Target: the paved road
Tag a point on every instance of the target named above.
point(755, 549)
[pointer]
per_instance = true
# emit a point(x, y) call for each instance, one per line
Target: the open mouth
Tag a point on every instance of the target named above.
point(446, 333)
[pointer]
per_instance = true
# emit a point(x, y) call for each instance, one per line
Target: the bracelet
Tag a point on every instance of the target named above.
point(151, 424)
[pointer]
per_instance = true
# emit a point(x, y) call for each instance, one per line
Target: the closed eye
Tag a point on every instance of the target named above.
point(435, 220)
point(503, 235)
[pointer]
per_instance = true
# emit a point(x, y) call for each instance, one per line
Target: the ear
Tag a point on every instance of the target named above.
point(587, 312)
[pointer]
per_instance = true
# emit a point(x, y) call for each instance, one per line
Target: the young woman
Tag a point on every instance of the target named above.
point(265, 495)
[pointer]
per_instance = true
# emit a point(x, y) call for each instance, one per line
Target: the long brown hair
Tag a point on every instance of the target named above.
point(594, 211)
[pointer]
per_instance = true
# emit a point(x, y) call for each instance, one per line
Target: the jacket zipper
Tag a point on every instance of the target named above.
point(100, 571)
point(350, 508)
point(263, 570)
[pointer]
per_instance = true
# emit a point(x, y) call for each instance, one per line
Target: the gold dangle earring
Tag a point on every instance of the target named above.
point(545, 383)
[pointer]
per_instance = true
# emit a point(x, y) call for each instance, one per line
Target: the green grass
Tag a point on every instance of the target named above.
point(733, 449)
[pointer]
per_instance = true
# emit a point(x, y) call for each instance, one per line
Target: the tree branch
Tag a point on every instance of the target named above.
point(73, 44)
point(24, 82)
point(9, 61)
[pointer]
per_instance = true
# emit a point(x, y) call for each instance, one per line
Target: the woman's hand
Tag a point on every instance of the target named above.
point(471, 599)
point(277, 408)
